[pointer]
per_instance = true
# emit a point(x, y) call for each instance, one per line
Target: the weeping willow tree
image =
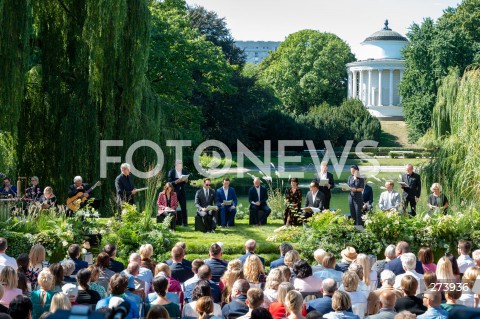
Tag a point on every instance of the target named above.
point(457, 126)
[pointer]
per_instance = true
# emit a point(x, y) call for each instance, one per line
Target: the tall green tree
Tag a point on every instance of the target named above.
point(307, 69)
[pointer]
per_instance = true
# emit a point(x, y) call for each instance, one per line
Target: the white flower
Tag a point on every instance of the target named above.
point(96, 214)
point(64, 243)
point(87, 214)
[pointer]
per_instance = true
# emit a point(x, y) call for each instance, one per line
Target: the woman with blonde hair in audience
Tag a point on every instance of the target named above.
point(146, 253)
point(291, 257)
point(350, 282)
point(42, 298)
point(253, 271)
point(158, 312)
point(445, 271)
point(274, 279)
point(425, 255)
point(293, 305)
point(469, 278)
point(94, 285)
point(234, 271)
point(9, 281)
point(357, 269)
point(173, 284)
point(204, 307)
point(370, 276)
point(36, 264)
point(286, 272)
point(60, 302)
point(277, 309)
point(341, 302)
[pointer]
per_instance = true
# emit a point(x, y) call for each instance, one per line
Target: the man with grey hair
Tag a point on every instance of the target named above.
point(133, 269)
point(322, 177)
point(412, 187)
point(257, 197)
point(124, 187)
point(284, 248)
point(395, 264)
point(178, 178)
point(250, 247)
point(387, 279)
point(144, 274)
point(79, 186)
point(409, 262)
point(476, 257)
point(318, 255)
point(238, 305)
point(324, 304)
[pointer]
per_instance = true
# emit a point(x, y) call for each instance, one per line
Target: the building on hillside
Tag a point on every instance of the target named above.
point(256, 51)
point(375, 77)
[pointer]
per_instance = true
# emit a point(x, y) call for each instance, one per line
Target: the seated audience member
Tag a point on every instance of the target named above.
point(387, 279)
point(291, 258)
point(257, 197)
point(304, 281)
point(277, 309)
point(145, 274)
point(71, 291)
point(9, 280)
point(6, 260)
point(261, 313)
point(85, 294)
point(452, 295)
point(357, 269)
point(146, 253)
point(74, 253)
point(318, 255)
point(341, 303)
point(158, 312)
point(274, 279)
point(185, 262)
point(370, 277)
point(42, 298)
point(410, 302)
point(204, 273)
point(196, 264)
point(253, 271)
point(24, 283)
point(455, 269)
point(250, 247)
point(284, 248)
point(103, 262)
point(425, 256)
point(160, 285)
point(254, 301)
point(430, 279)
point(405, 315)
point(329, 262)
point(379, 265)
point(464, 260)
point(396, 266)
point(432, 300)
point(114, 265)
point(21, 308)
point(469, 278)
point(118, 286)
point(132, 294)
point(36, 263)
point(215, 262)
point(205, 307)
point(388, 299)
point(202, 289)
point(324, 304)
point(314, 315)
point(68, 269)
point(409, 262)
point(94, 285)
point(349, 254)
point(60, 302)
point(445, 271)
point(287, 273)
point(389, 199)
point(142, 288)
point(174, 285)
point(294, 304)
point(232, 274)
point(3, 309)
point(180, 271)
point(350, 282)
point(238, 304)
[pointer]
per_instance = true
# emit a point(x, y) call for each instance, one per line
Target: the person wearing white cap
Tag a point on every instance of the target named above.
point(179, 184)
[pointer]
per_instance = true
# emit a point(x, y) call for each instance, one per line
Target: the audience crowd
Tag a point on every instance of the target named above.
point(403, 285)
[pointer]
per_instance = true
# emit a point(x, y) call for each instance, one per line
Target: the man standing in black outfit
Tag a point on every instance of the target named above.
point(124, 187)
point(326, 189)
point(174, 178)
point(411, 192)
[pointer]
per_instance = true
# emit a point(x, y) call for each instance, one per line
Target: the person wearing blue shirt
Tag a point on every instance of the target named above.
point(432, 300)
point(74, 253)
point(227, 211)
point(118, 286)
point(8, 188)
point(284, 248)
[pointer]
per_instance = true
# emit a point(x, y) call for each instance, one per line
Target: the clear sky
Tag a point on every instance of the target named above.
point(351, 20)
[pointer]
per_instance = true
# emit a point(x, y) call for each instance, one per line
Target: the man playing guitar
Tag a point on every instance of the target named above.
point(79, 187)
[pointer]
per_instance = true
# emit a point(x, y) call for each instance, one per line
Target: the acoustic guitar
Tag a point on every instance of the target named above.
point(75, 201)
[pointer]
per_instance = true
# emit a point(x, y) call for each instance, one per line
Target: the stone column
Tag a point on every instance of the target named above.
point(380, 87)
point(369, 89)
point(400, 80)
point(349, 94)
point(360, 87)
point(354, 90)
point(391, 88)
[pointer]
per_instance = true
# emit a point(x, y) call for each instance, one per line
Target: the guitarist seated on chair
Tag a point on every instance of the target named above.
point(124, 186)
point(79, 187)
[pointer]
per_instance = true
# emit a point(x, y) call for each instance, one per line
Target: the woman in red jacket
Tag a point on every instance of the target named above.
point(167, 204)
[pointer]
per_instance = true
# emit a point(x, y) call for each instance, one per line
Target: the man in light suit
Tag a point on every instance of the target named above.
point(227, 212)
point(257, 197)
point(389, 199)
point(205, 197)
point(314, 198)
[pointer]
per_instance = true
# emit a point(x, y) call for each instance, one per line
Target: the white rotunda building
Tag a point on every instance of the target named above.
point(375, 77)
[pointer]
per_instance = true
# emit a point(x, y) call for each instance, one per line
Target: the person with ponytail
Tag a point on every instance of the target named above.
point(85, 294)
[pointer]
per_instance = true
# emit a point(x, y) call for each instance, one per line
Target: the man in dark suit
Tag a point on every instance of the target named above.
point(77, 187)
point(411, 192)
point(179, 188)
point(326, 190)
point(115, 266)
point(124, 187)
point(250, 247)
point(257, 197)
point(324, 304)
point(227, 212)
point(314, 198)
point(203, 198)
point(185, 262)
point(215, 262)
point(74, 253)
point(179, 271)
point(284, 248)
point(367, 195)
point(395, 265)
point(238, 306)
point(204, 273)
